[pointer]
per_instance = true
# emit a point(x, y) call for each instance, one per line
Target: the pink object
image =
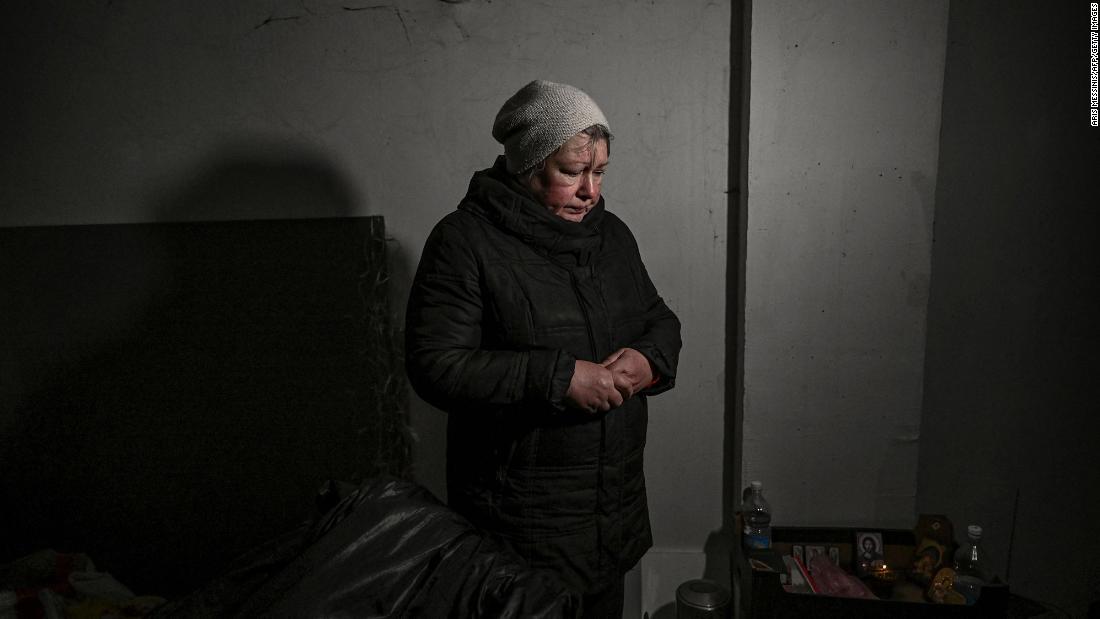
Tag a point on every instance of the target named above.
point(831, 580)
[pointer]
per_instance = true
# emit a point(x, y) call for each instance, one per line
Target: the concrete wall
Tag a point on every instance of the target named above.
point(355, 108)
point(1010, 428)
point(844, 105)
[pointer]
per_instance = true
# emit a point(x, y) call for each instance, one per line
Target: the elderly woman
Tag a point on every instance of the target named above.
point(533, 323)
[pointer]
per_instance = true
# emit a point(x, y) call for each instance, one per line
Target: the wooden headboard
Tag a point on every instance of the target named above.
point(172, 395)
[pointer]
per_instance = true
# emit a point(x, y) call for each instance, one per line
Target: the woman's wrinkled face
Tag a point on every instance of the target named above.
point(569, 184)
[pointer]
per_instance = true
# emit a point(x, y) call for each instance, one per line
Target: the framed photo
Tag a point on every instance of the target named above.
point(797, 553)
point(834, 554)
point(869, 553)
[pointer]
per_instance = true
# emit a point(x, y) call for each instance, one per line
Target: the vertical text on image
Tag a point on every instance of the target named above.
point(1094, 47)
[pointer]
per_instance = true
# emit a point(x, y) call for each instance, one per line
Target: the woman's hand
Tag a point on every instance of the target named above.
point(630, 370)
point(593, 388)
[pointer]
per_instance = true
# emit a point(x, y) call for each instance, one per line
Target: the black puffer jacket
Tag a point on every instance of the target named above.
point(506, 298)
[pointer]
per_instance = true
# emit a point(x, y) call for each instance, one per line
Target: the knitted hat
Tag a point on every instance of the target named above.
point(539, 118)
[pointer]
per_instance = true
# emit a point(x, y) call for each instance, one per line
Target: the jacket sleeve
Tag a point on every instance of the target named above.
point(444, 355)
point(660, 343)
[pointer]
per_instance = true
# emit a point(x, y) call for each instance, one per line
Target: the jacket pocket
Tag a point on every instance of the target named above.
point(549, 519)
point(547, 502)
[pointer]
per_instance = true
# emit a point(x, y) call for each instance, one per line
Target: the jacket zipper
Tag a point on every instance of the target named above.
point(603, 426)
point(584, 312)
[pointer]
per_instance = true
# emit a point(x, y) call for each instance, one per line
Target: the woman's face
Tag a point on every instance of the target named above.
point(569, 183)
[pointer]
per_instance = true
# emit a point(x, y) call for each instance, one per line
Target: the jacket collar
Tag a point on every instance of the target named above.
point(497, 196)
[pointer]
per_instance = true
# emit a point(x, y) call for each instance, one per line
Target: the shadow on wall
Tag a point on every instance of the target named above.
point(179, 391)
point(257, 179)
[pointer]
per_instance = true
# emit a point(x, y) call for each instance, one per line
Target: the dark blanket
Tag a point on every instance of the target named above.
point(387, 549)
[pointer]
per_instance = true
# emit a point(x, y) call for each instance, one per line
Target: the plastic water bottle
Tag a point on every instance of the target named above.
point(970, 569)
point(757, 517)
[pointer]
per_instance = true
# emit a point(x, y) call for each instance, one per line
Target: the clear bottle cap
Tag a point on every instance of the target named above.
point(974, 530)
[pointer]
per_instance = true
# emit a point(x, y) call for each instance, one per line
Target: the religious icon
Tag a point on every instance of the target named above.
point(869, 552)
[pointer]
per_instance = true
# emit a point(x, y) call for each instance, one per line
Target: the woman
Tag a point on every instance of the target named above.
point(534, 324)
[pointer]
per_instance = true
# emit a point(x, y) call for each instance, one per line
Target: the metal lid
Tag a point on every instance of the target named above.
point(702, 594)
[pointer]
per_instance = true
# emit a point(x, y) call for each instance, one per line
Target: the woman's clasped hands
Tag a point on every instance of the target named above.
point(599, 387)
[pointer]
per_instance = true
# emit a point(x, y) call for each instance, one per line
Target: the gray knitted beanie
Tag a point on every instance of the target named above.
point(539, 118)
